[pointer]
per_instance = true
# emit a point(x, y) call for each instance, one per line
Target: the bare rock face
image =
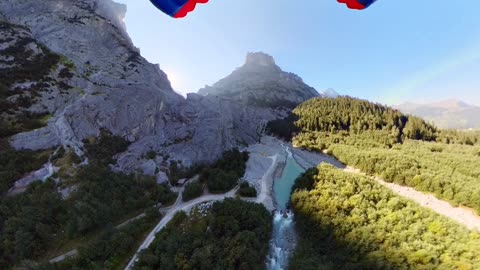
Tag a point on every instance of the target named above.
point(110, 86)
point(206, 128)
point(120, 90)
point(260, 59)
point(261, 83)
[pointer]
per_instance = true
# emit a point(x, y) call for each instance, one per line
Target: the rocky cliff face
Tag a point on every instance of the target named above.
point(260, 82)
point(119, 90)
point(97, 80)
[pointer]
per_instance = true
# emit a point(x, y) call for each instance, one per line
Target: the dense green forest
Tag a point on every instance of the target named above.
point(41, 219)
point(111, 249)
point(347, 221)
point(233, 234)
point(400, 149)
point(356, 116)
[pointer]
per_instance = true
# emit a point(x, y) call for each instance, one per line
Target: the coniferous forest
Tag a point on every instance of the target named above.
point(398, 148)
point(41, 221)
point(232, 234)
point(348, 221)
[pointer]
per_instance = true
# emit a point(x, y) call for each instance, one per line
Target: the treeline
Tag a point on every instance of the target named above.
point(346, 221)
point(451, 172)
point(233, 235)
point(356, 116)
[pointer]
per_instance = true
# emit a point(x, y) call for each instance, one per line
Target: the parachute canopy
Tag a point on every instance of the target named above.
point(357, 4)
point(180, 8)
point(177, 8)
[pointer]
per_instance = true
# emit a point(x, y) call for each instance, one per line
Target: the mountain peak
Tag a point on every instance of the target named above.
point(330, 93)
point(260, 59)
point(262, 83)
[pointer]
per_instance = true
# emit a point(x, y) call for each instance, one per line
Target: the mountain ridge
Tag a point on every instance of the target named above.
point(449, 113)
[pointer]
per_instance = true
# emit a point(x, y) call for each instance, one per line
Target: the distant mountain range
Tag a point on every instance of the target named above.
point(452, 113)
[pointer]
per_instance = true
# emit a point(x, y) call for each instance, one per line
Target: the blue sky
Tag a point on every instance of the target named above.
point(396, 51)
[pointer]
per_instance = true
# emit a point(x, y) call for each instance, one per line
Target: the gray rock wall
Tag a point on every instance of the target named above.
point(118, 90)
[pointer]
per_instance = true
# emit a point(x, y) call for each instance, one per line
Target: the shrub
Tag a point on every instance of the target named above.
point(192, 191)
point(246, 190)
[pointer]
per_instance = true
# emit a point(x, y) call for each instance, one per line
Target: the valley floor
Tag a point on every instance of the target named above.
point(266, 162)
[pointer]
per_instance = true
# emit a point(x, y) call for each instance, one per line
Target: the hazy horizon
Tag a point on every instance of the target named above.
point(394, 52)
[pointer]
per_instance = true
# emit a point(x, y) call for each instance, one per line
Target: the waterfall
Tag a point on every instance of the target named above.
point(282, 243)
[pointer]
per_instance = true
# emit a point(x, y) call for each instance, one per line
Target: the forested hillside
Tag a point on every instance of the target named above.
point(356, 116)
point(232, 234)
point(398, 148)
point(347, 221)
point(50, 215)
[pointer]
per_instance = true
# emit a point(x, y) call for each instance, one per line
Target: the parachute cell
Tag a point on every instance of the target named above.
point(357, 4)
point(177, 8)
